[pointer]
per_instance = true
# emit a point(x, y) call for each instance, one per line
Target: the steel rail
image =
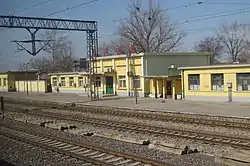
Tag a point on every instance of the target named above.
point(238, 142)
point(89, 153)
point(148, 116)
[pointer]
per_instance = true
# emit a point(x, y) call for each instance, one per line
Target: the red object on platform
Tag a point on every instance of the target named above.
point(131, 48)
point(118, 50)
point(106, 52)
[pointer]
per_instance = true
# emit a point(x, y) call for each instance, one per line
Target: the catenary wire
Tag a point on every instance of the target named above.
point(27, 8)
point(227, 3)
point(70, 8)
point(168, 9)
point(67, 9)
point(36, 5)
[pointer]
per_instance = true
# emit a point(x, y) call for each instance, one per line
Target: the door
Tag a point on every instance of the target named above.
point(169, 87)
point(109, 85)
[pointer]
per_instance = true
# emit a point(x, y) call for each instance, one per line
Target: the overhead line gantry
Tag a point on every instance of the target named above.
point(35, 23)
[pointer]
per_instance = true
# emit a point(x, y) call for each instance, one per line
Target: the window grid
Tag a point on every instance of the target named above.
point(80, 81)
point(4, 82)
point(194, 81)
point(54, 81)
point(98, 82)
point(243, 81)
point(136, 82)
point(122, 81)
point(217, 82)
point(71, 81)
point(63, 81)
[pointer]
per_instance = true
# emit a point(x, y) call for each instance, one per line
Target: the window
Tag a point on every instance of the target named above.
point(136, 82)
point(243, 81)
point(54, 81)
point(62, 81)
point(122, 81)
point(194, 81)
point(217, 82)
point(80, 81)
point(0, 81)
point(4, 82)
point(71, 81)
point(98, 81)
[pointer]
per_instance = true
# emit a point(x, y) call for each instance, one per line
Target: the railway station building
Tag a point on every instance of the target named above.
point(7, 79)
point(23, 81)
point(153, 74)
point(216, 82)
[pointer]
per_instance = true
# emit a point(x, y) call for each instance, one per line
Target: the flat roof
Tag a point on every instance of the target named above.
point(154, 54)
point(177, 53)
point(215, 66)
point(117, 56)
point(63, 73)
point(18, 72)
point(160, 76)
point(72, 73)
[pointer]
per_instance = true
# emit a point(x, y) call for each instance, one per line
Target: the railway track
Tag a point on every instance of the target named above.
point(85, 153)
point(237, 142)
point(146, 115)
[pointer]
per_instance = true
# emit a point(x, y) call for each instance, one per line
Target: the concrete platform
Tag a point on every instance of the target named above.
point(236, 109)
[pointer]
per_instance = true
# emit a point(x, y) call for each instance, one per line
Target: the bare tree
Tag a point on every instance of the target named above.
point(21, 67)
point(244, 56)
point(213, 45)
point(60, 57)
point(150, 30)
point(41, 64)
point(118, 46)
point(234, 38)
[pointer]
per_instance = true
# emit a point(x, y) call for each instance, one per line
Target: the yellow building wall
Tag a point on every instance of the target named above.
point(135, 65)
point(20, 76)
point(67, 87)
point(118, 64)
point(120, 68)
point(205, 82)
point(2, 86)
point(107, 64)
point(158, 85)
point(33, 86)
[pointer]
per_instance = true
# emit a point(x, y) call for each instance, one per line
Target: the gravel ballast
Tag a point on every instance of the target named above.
point(186, 160)
point(22, 154)
point(184, 126)
point(83, 128)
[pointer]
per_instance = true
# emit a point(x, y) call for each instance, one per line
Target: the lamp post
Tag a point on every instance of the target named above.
point(26, 74)
point(171, 68)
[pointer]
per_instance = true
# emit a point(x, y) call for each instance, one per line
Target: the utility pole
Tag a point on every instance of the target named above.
point(26, 77)
point(150, 11)
point(2, 105)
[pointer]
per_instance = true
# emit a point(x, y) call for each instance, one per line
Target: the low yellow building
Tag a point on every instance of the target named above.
point(70, 82)
point(214, 83)
point(7, 80)
point(3, 82)
point(34, 86)
point(153, 74)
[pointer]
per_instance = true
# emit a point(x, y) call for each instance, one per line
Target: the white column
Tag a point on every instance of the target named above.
point(102, 77)
point(142, 78)
point(101, 66)
point(114, 76)
point(127, 78)
point(102, 84)
point(173, 88)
